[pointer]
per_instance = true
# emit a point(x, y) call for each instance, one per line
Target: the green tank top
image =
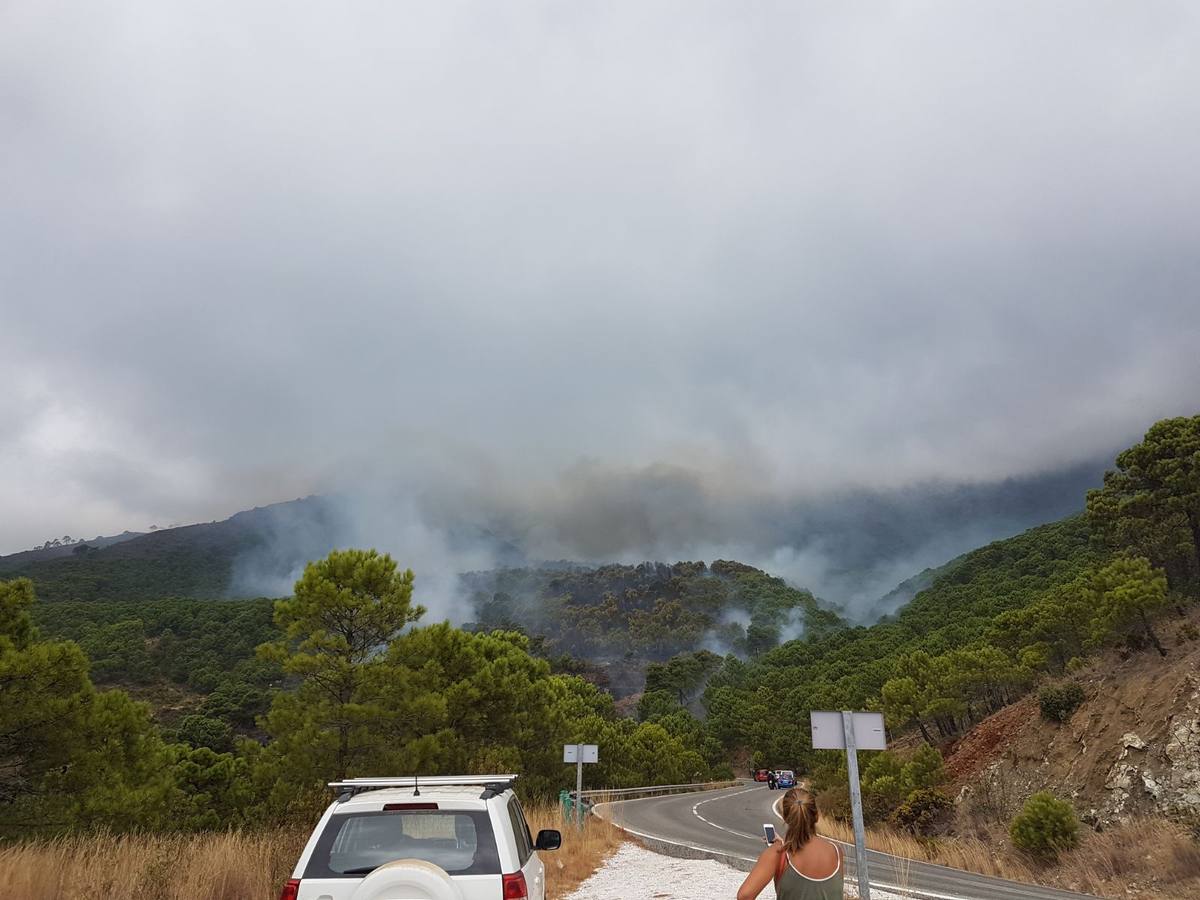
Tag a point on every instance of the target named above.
point(791, 885)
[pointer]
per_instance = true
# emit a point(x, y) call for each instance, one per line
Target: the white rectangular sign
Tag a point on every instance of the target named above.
point(571, 753)
point(828, 733)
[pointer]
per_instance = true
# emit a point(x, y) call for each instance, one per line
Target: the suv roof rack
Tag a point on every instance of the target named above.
point(492, 784)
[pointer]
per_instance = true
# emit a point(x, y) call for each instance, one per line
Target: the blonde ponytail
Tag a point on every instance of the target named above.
point(799, 809)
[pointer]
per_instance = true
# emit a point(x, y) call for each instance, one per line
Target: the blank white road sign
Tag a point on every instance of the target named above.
point(828, 733)
point(591, 753)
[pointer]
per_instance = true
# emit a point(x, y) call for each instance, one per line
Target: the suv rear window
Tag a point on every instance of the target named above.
point(460, 841)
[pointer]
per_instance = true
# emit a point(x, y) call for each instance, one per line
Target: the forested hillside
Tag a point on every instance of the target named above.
point(649, 611)
point(132, 605)
point(189, 561)
point(954, 615)
point(194, 661)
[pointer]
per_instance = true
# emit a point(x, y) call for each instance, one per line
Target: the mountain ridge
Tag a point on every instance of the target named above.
point(856, 548)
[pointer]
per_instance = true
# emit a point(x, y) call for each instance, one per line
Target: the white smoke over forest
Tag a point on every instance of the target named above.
point(849, 548)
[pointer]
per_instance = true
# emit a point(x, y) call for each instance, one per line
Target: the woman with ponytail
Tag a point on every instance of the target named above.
point(802, 865)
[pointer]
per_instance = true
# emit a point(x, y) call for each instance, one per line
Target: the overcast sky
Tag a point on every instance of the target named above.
point(250, 250)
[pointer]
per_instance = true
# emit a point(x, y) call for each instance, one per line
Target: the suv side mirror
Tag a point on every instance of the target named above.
point(548, 839)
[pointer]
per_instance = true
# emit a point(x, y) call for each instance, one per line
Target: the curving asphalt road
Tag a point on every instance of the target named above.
point(727, 825)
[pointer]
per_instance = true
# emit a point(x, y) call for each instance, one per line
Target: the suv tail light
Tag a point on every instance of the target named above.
point(514, 887)
point(291, 889)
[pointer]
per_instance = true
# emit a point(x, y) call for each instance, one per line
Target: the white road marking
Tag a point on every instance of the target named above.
point(696, 813)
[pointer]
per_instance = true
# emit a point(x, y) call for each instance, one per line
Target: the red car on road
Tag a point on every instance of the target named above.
point(760, 774)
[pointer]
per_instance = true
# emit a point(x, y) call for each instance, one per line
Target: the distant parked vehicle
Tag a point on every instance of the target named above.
point(785, 778)
point(442, 838)
point(761, 774)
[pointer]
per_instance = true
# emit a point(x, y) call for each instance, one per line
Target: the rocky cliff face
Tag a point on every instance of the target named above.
point(1170, 776)
point(1132, 748)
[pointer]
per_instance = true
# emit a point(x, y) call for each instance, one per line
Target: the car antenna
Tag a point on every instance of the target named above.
point(416, 785)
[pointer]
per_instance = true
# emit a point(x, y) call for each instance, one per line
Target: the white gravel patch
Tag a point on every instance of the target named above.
point(635, 873)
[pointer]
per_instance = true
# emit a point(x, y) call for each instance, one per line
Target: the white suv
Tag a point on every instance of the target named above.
point(443, 838)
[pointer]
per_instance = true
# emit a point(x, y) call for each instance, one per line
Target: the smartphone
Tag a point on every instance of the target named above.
point(769, 832)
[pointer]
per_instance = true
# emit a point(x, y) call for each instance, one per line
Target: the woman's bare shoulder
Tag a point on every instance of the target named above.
point(771, 852)
point(819, 859)
point(821, 851)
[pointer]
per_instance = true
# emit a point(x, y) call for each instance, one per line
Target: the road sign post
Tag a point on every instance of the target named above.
point(856, 810)
point(580, 754)
point(852, 731)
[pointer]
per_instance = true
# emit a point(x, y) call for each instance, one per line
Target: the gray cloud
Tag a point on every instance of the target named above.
point(764, 252)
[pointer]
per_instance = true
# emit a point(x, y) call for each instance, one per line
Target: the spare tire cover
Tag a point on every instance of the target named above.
point(408, 879)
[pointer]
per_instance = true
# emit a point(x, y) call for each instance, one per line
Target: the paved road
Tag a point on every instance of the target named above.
point(728, 824)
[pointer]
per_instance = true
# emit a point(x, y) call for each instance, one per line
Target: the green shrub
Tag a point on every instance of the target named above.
point(920, 812)
point(204, 731)
point(925, 768)
point(1058, 701)
point(1046, 826)
point(888, 779)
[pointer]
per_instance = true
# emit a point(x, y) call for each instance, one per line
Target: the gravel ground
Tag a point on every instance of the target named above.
point(634, 873)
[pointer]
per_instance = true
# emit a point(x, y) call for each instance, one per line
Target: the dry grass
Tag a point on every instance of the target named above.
point(969, 854)
point(1151, 857)
point(234, 866)
point(582, 852)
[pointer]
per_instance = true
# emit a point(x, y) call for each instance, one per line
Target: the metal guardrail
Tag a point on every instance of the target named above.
point(612, 793)
point(588, 799)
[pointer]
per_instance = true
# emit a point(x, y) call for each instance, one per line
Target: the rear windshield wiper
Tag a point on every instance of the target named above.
point(361, 870)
